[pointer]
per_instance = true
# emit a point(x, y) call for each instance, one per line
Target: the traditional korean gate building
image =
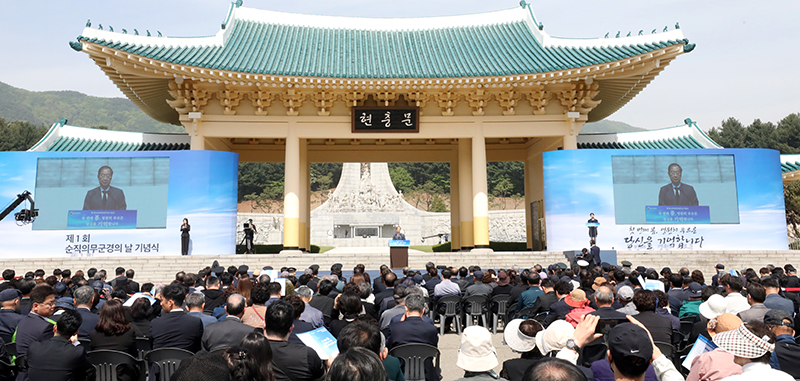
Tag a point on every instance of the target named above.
point(280, 87)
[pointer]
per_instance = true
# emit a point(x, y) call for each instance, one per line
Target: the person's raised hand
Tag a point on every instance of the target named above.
point(585, 330)
point(656, 352)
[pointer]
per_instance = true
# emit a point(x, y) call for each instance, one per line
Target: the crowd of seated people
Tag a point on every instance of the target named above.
point(601, 323)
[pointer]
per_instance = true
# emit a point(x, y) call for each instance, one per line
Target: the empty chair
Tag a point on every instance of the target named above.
point(109, 364)
point(166, 361)
point(452, 308)
point(414, 356)
point(499, 304)
point(142, 346)
point(474, 308)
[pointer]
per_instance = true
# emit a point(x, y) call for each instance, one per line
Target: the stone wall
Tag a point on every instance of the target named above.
point(163, 268)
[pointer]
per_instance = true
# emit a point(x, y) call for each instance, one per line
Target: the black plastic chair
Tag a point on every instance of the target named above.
point(499, 305)
point(414, 356)
point(107, 364)
point(452, 308)
point(511, 310)
point(167, 360)
point(8, 371)
point(142, 346)
point(475, 307)
point(666, 348)
point(21, 362)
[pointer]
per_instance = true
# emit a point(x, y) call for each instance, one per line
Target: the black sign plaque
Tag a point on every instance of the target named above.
point(385, 119)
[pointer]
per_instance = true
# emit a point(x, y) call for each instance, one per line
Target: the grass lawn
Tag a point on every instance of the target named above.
point(323, 249)
point(427, 249)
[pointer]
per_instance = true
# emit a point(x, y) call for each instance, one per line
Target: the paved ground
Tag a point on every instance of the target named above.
point(448, 347)
point(364, 250)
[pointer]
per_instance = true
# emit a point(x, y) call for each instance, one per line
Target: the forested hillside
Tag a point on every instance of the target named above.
point(48, 107)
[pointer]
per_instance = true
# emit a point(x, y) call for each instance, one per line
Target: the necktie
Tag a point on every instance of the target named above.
point(677, 196)
point(105, 198)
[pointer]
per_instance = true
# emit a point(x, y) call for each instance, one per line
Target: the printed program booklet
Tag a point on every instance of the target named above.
point(321, 341)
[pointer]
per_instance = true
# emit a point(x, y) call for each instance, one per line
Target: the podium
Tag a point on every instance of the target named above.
point(398, 254)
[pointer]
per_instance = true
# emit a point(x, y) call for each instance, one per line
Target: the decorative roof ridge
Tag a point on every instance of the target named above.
point(380, 24)
point(567, 42)
point(215, 40)
point(52, 135)
point(689, 129)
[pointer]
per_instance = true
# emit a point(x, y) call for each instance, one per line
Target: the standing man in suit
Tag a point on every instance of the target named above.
point(58, 359)
point(677, 193)
point(83, 298)
point(231, 331)
point(37, 325)
point(133, 286)
point(105, 197)
point(174, 328)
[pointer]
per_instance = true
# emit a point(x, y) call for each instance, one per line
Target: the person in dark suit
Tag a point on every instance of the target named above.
point(57, 359)
point(594, 251)
point(37, 325)
point(592, 229)
point(398, 235)
point(175, 329)
point(389, 279)
point(660, 327)
point(559, 309)
point(83, 298)
point(412, 329)
point(185, 228)
point(231, 331)
point(105, 197)
point(604, 298)
point(9, 318)
point(677, 193)
point(300, 361)
point(132, 286)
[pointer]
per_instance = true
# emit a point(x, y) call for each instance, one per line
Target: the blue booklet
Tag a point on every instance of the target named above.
point(321, 341)
point(702, 345)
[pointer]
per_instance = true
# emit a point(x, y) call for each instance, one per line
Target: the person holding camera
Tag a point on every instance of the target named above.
point(249, 233)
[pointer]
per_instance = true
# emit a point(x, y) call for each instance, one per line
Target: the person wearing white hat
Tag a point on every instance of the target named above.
point(477, 355)
point(520, 335)
point(752, 345)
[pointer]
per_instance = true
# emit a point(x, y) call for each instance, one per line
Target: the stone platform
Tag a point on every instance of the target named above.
point(161, 268)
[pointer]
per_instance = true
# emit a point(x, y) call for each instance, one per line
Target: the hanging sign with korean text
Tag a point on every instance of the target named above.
point(386, 119)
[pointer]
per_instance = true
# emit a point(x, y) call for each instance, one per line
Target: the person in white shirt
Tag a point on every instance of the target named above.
point(733, 288)
point(751, 345)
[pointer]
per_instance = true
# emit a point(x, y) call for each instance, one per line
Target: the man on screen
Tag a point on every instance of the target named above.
point(105, 197)
point(677, 193)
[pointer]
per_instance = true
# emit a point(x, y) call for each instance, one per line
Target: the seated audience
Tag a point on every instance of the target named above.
point(751, 345)
point(717, 364)
point(476, 355)
point(299, 361)
point(229, 332)
point(357, 364)
point(786, 356)
point(174, 328)
point(365, 334)
point(520, 335)
point(57, 358)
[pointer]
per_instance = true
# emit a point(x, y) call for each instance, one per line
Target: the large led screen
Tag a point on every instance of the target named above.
point(644, 200)
point(120, 203)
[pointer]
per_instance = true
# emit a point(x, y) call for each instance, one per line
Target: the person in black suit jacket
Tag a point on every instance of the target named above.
point(677, 193)
point(560, 308)
point(412, 329)
point(132, 286)
point(83, 298)
point(57, 359)
point(175, 329)
point(389, 279)
point(37, 325)
point(105, 197)
point(660, 327)
point(231, 331)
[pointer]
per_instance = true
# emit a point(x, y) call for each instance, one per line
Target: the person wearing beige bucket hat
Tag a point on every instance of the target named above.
point(477, 356)
point(520, 335)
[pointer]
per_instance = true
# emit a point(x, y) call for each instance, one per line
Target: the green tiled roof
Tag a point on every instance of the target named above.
point(82, 144)
point(790, 166)
point(461, 51)
point(683, 142)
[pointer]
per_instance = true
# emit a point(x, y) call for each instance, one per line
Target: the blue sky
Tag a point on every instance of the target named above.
point(742, 67)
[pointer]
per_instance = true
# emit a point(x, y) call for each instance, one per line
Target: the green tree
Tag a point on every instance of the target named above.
point(730, 135)
point(438, 205)
point(19, 135)
point(325, 176)
point(760, 135)
point(401, 179)
point(255, 177)
point(502, 187)
point(787, 135)
point(791, 199)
